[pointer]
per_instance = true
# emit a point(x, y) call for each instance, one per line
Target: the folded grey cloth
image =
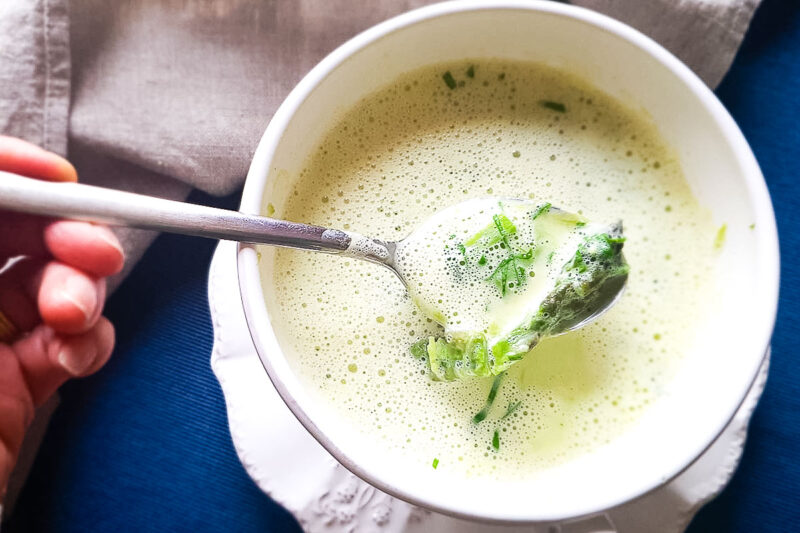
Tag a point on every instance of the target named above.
point(162, 96)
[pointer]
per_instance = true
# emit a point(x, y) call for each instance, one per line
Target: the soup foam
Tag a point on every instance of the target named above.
point(417, 146)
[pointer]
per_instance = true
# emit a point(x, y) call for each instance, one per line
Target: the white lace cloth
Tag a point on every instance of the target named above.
point(296, 471)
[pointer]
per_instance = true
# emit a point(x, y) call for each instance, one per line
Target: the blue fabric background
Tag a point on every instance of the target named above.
point(144, 445)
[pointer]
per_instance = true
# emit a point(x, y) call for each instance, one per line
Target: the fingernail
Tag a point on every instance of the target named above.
point(76, 301)
point(73, 362)
point(107, 236)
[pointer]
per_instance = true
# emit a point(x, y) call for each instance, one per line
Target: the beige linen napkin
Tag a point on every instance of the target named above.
point(162, 96)
point(159, 96)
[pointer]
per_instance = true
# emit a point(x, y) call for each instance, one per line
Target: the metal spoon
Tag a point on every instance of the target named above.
point(118, 208)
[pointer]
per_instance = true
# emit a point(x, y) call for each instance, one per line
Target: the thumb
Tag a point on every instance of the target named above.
point(49, 358)
point(29, 160)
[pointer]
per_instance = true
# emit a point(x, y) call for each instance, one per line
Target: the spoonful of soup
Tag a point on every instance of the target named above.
point(498, 275)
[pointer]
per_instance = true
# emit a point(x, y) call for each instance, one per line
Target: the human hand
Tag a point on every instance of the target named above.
point(51, 328)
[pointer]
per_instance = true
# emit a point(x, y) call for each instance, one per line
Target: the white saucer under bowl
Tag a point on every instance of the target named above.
point(296, 471)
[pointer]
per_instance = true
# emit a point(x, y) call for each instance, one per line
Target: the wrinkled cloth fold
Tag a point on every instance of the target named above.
point(163, 96)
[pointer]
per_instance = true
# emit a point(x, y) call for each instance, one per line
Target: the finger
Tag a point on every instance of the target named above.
point(48, 358)
point(102, 337)
point(89, 247)
point(28, 159)
point(69, 300)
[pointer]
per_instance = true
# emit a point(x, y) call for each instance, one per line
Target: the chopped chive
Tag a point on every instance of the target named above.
point(496, 440)
point(519, 272)
point(580, 224)
point(516, 153)
point(449, 80)
point(753, 226)
point(513, 406)
point(511, 271)
point(471, 71)
point(500, 274)
point(435, 462)
point(490, 235)
point(462, 249)
point(481, 415)
point(541, 210)
point(554, 106)
point(719, 240)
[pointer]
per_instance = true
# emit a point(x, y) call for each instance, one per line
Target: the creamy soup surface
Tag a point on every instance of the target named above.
point(490, 128)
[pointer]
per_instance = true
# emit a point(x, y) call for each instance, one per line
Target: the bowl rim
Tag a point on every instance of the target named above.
point(252, 198)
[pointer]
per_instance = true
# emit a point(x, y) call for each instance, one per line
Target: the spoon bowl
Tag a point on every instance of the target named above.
point(501, 275)
point(435, 226)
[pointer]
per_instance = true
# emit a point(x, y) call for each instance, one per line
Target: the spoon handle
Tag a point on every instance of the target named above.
point(118, 208)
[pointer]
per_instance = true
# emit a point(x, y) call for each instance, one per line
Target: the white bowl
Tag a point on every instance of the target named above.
point(717, 162)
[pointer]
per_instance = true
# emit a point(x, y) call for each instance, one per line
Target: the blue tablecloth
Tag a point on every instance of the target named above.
point(144, 444)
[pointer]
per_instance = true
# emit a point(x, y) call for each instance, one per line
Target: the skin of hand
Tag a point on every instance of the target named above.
point(54, 298)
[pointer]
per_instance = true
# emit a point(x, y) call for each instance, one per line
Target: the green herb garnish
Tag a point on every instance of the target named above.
point(471, 71)
point(513, 406)
point(596, 268)
point(541, 210)
point(419, 349)
point(449, 80)
point(481, 415)
point(555, 106)
point(500, 227)
point(509, 270)
point(500, 274)
point(595, 271)
point(461, 357)
point(496, 440)
point(719, 240)
point(435, 462)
